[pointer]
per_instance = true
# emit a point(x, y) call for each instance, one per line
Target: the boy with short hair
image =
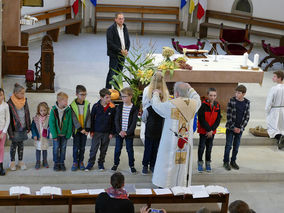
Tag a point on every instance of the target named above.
point(125, 124)
point(102, 128)
point(238, 113)
point(209, 117)
point(60, 124)
point(82, 123)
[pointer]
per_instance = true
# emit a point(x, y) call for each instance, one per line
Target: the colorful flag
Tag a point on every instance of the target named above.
point(75, 6)
point(202, 7)
point(192, 5)
point(94, 2)
point(83, 2)
point(182, 3)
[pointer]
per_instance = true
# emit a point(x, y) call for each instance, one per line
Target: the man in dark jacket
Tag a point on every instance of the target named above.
point(118, 44)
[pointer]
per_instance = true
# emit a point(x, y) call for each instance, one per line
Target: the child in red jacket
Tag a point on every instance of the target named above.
point(209, 116)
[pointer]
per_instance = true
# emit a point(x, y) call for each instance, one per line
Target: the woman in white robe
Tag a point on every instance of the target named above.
point(174, 160)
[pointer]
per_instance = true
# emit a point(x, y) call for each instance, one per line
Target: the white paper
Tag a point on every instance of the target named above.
point(49, 190)
point(18, 190)
point(181, 190)
point(143, 191)
point(199, 191)
point(164, 191)
point(38, 193)
point(130, 188)
point(80, 191)
point(213, 189)
point(95, 191)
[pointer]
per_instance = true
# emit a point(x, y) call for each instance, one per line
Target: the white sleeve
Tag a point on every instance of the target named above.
point(7, 118)
point(163, 109)
point(269, 101)
point(194, 95)
point(145, 100)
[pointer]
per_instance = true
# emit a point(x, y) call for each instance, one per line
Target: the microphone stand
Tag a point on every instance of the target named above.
point(214, 50)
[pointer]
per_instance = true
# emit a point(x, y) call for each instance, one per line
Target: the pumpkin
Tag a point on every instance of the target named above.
point(114, 94)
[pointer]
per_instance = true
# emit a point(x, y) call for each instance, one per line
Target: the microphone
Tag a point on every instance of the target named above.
point(179, 136)
point(214, 50)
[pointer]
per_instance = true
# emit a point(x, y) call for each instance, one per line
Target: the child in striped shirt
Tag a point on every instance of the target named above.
point(125, 124)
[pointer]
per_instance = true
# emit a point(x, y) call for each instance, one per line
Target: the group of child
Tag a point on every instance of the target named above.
point(64, 121)
point(105, 120)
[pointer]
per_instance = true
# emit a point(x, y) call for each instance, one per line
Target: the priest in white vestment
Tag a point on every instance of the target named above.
point(174, 159)
point(274, 109)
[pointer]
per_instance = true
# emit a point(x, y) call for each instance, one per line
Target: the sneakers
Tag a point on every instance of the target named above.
point(74, 167)
point(81, 166)
point(45, 164)
point(133, 170)
point(56, 167)
point(114, 168)
point(145, 170)
point(13, 166)
point(62, 167)
point(208, 166)
point(89, 166)
point(101, 167)
point(37, 166)
point(234, 165)
point(281, 142)
point(200, 166)
point(227, 166)
point(22, 165)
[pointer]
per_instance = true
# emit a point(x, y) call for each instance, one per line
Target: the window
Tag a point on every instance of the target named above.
point(242, 7)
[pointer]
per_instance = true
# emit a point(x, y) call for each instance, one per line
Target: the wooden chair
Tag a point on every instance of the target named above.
point(179, 48)
point(235, 41)
point(274, 53)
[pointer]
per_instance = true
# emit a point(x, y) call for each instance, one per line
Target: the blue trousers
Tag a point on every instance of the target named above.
point(129, 149)
point(232, 139)
point(59, 149)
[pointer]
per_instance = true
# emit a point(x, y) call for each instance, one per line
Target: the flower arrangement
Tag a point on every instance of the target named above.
point(145, 76)
point(167, 52)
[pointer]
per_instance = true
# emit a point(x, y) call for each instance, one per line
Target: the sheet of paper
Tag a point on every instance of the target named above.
point(80, 191)
point(143, 191)
point(187, 190)
point(130, 188)
point(164, 191)
point(177, 190)
point(38, 193)
point(214, 189)
point(95, 191)
point(199, 191)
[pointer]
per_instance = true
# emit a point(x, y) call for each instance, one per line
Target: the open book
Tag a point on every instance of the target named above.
point(50, 190)
point(18, 190)
point(181, 190)
point(199, 191)
point(211, 189)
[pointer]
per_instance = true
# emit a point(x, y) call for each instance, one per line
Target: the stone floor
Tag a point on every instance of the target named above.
point(259, 181)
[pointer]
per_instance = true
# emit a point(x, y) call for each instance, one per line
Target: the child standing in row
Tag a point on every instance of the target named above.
point(238, 113)
point(4, 124)
point(125, 124)
point(82, 124)
point(19, 126)
point(40, 133)
point(102, 128)
point(209, 117)
point(60, 124)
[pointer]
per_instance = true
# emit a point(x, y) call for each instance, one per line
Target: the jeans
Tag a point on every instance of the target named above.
point(13, 148)
point(232, 139)
point(100, 140)
point(205, 142)
point(116, 63)
point(150, 151)
point(79, 143)
point(129, 149)
point(59, 149)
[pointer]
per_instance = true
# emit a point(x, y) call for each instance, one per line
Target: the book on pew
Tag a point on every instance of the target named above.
point(181, 190)
point(199, 191)
point(165, 191)
point(143, 191)
point(79, 191)
point(50, 190)
point(95, 191)
point(19, 190)
point(214, 189)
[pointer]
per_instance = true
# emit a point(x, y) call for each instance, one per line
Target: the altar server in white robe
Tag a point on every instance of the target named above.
point(275, 109)
point(174, 160)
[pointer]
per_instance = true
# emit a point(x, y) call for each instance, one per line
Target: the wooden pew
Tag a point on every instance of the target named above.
point(251, 21)
point(142, 10)
point(80, 199)
point(72, 26)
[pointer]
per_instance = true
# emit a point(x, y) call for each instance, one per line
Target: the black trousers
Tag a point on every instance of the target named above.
point(115, 63)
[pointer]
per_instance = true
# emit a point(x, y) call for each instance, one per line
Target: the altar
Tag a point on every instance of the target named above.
point(223, 74)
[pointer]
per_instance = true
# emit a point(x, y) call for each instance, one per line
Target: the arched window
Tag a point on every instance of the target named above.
point(242, 7)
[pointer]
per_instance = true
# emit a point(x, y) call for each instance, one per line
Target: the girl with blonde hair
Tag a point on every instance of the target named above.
point(154, 122)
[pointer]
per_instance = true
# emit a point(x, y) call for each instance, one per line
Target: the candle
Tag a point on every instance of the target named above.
point(255, 61)
point(245, 60)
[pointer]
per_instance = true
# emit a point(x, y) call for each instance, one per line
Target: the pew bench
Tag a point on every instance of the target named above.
point(72, 26)
point(104, 12)
point(251, 21)
point(69, 199)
